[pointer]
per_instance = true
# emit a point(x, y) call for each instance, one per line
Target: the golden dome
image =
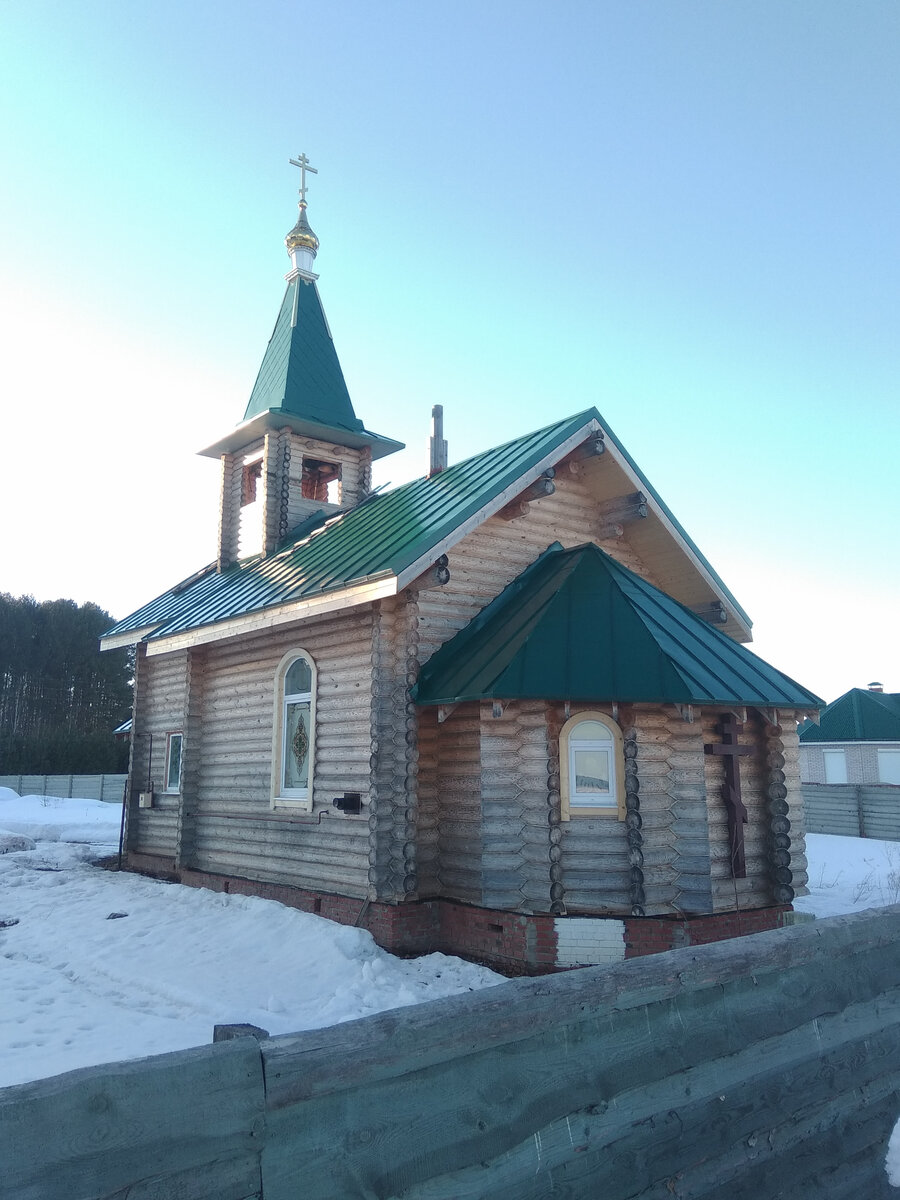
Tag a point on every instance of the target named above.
point(301, 236)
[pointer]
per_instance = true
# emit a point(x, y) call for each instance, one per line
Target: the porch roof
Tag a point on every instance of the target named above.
point(577, 625)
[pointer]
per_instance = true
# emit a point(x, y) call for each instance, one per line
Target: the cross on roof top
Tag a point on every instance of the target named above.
point(302, 162)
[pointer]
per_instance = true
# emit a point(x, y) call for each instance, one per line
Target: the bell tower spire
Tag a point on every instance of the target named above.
point(300, 450)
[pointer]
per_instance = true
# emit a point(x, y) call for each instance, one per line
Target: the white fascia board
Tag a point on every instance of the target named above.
point(269, 618)
point(499, 501)
point(129, 638)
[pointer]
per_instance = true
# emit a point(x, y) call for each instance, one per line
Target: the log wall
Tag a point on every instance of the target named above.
point(454, 775)
point(161, 693)
point(517, 868)
point(393, 662)
point(235, 830)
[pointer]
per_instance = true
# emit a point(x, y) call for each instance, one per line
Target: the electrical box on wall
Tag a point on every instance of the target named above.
point(145, 800)
point(350, 802)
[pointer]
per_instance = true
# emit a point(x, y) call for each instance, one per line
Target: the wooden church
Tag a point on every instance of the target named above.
point(502, 711)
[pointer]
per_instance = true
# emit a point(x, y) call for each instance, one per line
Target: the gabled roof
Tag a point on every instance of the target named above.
point(859, 715)
point(577, 625)
point(301, 384)
point(383, 539)
point(379, 547)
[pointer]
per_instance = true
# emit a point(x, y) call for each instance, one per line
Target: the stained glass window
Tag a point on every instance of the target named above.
point(296, 730)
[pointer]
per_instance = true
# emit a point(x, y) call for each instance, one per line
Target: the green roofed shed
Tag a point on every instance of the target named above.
point(577, 625)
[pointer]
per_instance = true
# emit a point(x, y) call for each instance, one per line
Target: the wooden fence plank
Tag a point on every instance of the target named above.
point(194, 1115)
point(764, 1066)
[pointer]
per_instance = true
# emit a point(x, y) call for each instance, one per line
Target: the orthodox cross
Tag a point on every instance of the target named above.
point(730, 751)
point(303, 163)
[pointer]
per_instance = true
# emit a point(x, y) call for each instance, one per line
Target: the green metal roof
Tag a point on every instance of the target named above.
point(300, 372)
point(300, 381)
point(577, 625)
point(858, 716)
point(380, 537)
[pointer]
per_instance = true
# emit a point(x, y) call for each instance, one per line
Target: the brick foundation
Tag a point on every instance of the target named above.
point(514, 943)
point(651, 935)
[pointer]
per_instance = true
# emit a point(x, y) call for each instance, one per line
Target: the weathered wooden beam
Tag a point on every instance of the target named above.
point(436, 576)
point(610, 529)
point(543, 486)
point(715, 612)
point(620, 509)
point(444, 711)
point(518, 508)
point(592, 448)
point(686, 712)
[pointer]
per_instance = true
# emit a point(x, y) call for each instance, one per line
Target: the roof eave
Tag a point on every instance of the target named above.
point(278, 418)
point(128, 637)
point(268, 618)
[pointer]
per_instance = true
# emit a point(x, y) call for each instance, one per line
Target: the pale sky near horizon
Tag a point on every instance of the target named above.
point(684, 214)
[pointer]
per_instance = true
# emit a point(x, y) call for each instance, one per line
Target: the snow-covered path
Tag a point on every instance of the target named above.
point(80, 986)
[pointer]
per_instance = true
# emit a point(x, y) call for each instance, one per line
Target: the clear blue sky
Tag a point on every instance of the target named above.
point(685, 214)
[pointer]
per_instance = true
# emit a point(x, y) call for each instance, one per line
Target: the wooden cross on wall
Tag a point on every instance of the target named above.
point(728, 748)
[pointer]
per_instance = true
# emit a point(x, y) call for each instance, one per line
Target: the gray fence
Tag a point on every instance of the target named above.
point(767, 1066)
point(855, 810)
point(82, 787)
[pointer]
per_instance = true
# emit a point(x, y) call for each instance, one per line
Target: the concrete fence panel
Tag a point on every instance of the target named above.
point(854, 810)
point(759, 1068)
point(81, 787)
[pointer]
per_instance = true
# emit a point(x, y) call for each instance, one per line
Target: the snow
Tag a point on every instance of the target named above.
point(82, 986)
point(849, 874)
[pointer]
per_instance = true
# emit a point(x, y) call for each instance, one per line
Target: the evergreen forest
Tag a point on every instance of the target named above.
point(60, 698)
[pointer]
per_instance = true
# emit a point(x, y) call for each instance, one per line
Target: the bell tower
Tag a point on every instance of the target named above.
point(300, 448)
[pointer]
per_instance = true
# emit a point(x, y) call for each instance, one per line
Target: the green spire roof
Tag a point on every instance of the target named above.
point(300, 383)
point(577, 625)
point(300, 372)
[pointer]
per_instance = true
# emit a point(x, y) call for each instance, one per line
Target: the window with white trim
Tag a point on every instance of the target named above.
point(592, 767)
point(295, 725)
point(835, 766)
point(889, 766)
point(174, 744)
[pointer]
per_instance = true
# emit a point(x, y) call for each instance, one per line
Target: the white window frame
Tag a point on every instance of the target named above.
point(835, 757)
point(300, 799)
point(572, 806)
point(173, 786)
point(888, 754)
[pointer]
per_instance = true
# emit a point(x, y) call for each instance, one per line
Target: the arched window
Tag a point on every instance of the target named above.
point(295, 728)
point(592, 767)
